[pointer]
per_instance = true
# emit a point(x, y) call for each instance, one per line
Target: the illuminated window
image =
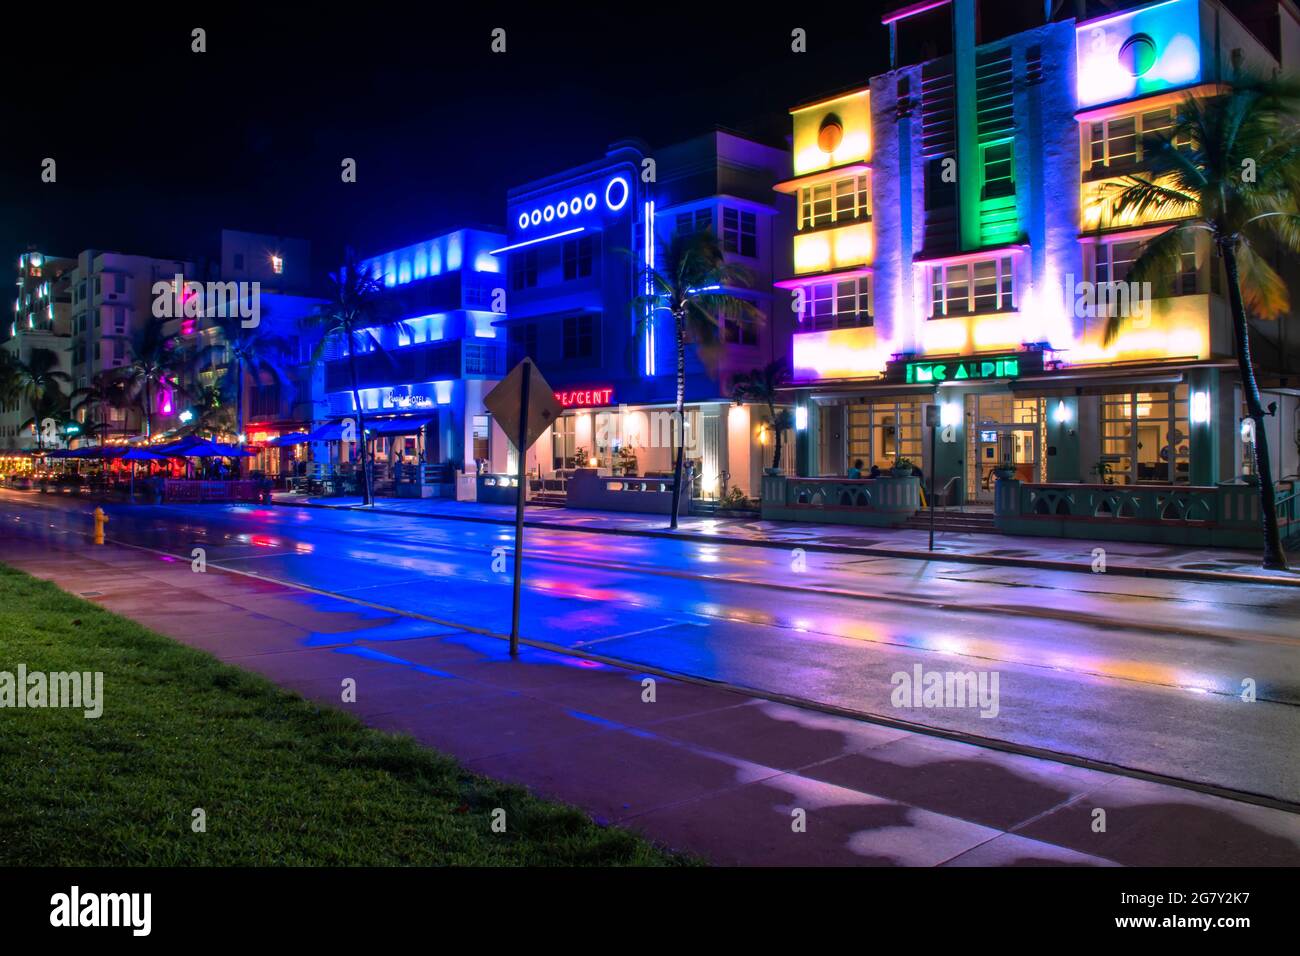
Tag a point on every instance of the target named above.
point(277, 265)
point(836, 305)
point(845, 200)
point(1112, 261)
point(1127, 141)
point(985, 285)
point(999, 171)
point(739, 232)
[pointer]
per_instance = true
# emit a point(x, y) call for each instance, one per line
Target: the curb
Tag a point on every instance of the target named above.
point(1133, 571)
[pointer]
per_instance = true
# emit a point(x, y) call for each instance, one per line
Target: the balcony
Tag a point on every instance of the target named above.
point(830, 249)
point(453, 359)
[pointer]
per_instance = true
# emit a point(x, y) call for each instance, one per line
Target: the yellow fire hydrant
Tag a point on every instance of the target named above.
point(101, 519)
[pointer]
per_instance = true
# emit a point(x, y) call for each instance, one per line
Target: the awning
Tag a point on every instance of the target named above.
point(855, 393)
point(330, 431)
point(1101, 382)
point(399, 426)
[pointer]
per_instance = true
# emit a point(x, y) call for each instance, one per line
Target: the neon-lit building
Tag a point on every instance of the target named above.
point(39, 322)
point(439, 353)
point(952, 225)
point(576, 246)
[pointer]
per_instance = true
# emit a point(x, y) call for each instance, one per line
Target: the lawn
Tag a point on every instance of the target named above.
point(281, 780)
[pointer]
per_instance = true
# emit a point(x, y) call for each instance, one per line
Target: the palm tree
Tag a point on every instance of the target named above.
point(1229, 167)
point(39, 383)
point(690, 288)
point(212, 409)
point(158, 362)
point(105, 391)
point(252, 352)
point(350, 314)
point(761, 385)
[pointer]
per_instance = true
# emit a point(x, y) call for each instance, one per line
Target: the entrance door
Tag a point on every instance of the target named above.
point(1002, 429)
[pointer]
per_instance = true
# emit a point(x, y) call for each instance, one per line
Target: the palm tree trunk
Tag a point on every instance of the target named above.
point(148, 410)
point(367, 495)
point(679, 437)
point(239, 415)
point(776, 437)
point(1274, 556)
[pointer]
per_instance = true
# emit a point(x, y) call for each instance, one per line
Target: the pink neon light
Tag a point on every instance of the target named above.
point(913, 10)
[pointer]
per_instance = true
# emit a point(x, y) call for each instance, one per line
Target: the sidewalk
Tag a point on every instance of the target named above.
point(701, 768)
point(1126, 558)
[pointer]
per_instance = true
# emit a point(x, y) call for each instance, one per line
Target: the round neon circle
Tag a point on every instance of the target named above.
point(523, 220)
point(561, 209)
point(536, 217)
point(589, 201)
point(612, 204)
point(548, 213)
point(575, 205)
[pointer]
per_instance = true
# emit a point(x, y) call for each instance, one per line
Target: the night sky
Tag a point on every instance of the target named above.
point(158, 148)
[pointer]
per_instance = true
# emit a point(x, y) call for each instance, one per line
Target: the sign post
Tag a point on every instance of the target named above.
point(525, 394)
point(932, 417)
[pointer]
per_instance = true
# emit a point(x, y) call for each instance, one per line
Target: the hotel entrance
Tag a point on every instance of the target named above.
point(1003, 429)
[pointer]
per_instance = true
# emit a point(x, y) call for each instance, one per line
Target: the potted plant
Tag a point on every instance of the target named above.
point(903, 468)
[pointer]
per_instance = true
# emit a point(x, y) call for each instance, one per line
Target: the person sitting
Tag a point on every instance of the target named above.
point(875, 472)
point(855, 472)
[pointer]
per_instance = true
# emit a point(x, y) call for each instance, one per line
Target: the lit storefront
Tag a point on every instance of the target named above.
point(989, 293)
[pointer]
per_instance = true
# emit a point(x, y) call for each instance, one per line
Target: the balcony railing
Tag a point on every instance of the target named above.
point(884, 501)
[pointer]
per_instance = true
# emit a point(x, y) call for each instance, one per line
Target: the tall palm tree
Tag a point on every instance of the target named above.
point(39, 383)
point(1229, 167)
point(213, 412)
point(105, 391)
point(253, 352)
point(691, 289)
point(761, 385)
point(158, 362)
point(350, 314)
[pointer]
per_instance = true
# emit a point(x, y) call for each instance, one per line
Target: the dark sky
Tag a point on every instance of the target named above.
point(158, 148)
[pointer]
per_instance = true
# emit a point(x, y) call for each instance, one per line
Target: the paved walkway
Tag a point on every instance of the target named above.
point(699, 768)
point(1053, 554)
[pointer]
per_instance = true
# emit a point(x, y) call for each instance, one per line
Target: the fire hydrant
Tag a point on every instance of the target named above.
point(101, 519)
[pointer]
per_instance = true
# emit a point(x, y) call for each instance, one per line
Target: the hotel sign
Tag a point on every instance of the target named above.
point(959, 370)
point(585, 397)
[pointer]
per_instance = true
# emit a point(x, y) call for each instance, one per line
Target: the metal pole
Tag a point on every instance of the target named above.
point(933, 464)
point(519, 505)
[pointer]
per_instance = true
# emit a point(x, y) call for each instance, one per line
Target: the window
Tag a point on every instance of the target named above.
point(689, 223)
point(96, 285)
point(845, 200)
point(277, 265)
point(577, 257)
point(521, 340)
point(1144, 437)
point(482, 432)
point(579, 336)
point(1127, 141)
point(1112, 262)
point(523, 270)
point(836, 305)
point(961, 288)
point(239, 261)
point(999, 171)
point(881, 432)
point(739, 232)
point(119, 320)
point(741, 329)
point(119, 283)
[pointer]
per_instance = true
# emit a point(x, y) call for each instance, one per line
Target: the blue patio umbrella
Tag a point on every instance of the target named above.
point(138, 454)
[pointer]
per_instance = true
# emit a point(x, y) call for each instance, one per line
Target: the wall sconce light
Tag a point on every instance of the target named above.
point(1061, 414)
point(1200, 408)
point(949, 414)
point(801, 418)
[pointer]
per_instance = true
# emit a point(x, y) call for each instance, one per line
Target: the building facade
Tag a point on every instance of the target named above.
point(41, 322)
point(430, 359)
point(955, 231)
point(578, 244)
